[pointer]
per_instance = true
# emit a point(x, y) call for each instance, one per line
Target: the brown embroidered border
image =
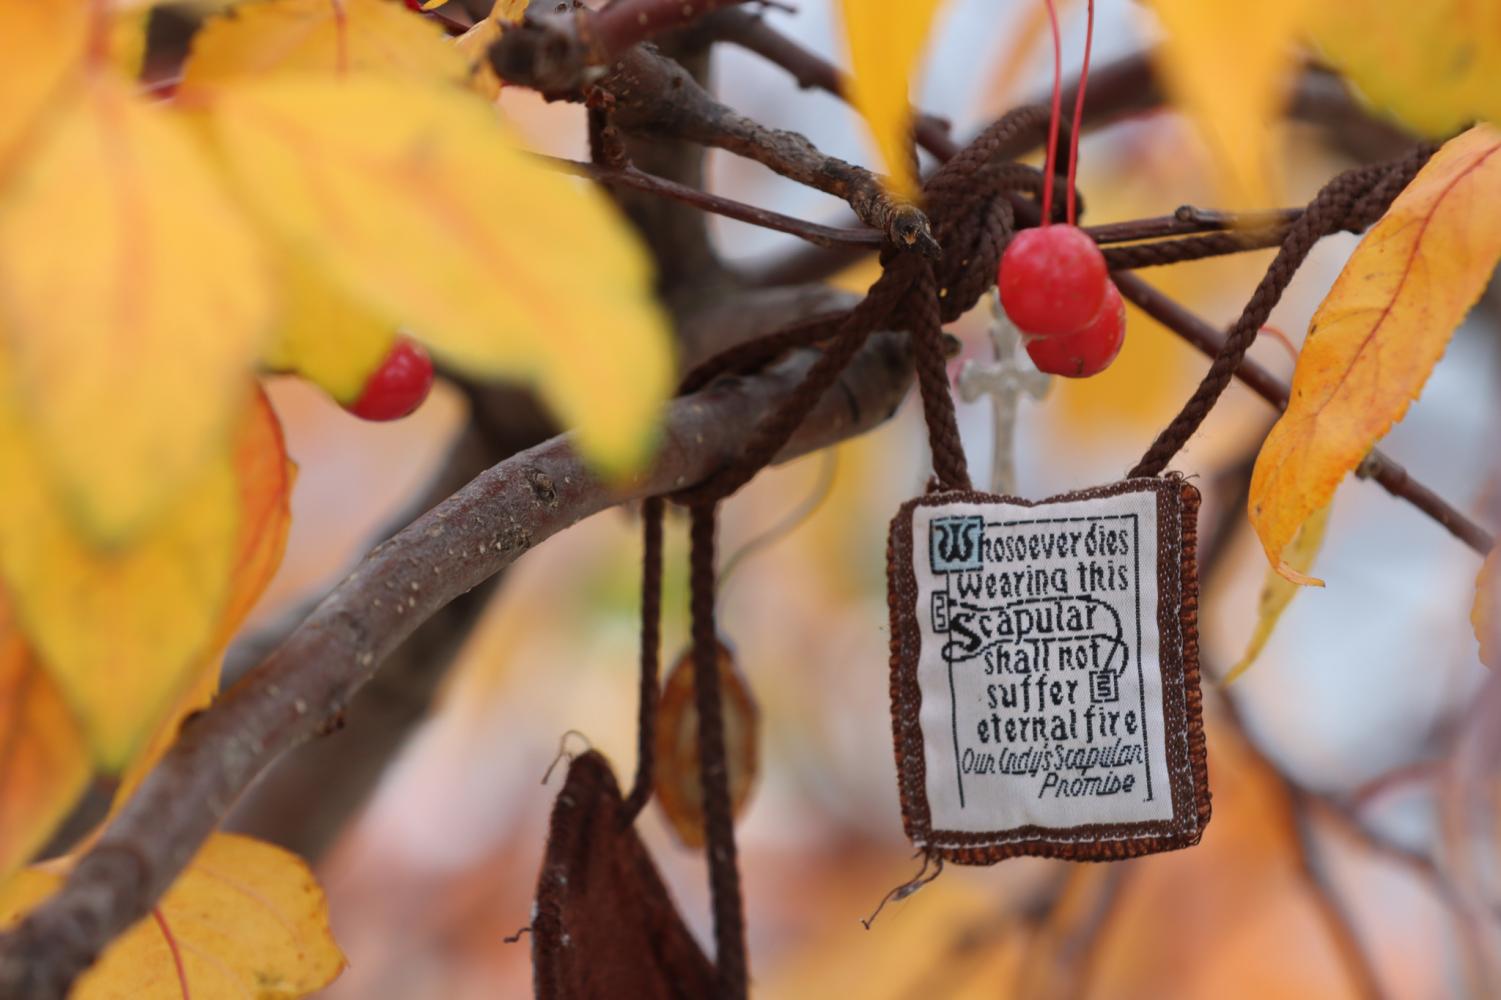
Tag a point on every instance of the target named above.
point(1182, 700)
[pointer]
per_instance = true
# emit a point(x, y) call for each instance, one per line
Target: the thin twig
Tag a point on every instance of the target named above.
point(648, 94)
point(629, 176)
point(1189, 219)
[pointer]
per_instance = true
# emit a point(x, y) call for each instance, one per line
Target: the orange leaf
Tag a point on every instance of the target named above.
point(44, 762)
point(678, 787)
point(1486, 614)
point(157, 611)
point(1379, 332)
point(265, 475)
point(40, 43)
point(244, 919)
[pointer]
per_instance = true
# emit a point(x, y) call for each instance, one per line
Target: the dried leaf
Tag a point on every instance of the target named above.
point(1379, 332)
point(44, 763)
point(40, 43)
point(678, 786)
point(421, 207)
point(1229, 66)
point(1277, 592)
point(256, 39)
point(158, 609)
point(244, 919)
point(128, 347)
point(1435, 65)
point(1485, 616)
point(886, 39)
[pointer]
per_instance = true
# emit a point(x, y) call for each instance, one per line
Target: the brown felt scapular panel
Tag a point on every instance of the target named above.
point(604, 926)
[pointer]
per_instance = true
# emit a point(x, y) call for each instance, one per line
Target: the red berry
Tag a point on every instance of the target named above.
point(1052, 279)
point(1088, 351)
point(398, 386)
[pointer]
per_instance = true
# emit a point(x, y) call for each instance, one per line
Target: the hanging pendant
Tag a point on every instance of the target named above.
point(1045, 675)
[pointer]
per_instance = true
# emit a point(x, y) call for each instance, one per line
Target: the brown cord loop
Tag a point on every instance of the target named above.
point(1351, 201)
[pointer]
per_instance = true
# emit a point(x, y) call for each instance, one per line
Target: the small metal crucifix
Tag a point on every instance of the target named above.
point(1004, 380)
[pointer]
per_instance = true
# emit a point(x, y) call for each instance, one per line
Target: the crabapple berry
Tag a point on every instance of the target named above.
point(1088, 351)
point(1052, 279)
point(398, 386)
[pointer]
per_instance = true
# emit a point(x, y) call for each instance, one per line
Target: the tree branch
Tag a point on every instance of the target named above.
point(301, 689)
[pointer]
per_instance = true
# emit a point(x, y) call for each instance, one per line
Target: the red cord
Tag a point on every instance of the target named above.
point(1073, 148)
point(1047, 180)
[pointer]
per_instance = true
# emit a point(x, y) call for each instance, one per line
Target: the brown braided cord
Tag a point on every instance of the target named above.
point(753, 355)
point(652, 516)
point(714, 771)
point(949, 465)
point(778, 427)
point(1353, 200)
point(1176, 251)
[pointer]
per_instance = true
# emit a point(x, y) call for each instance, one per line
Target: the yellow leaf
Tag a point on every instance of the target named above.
point(1229, 66)
point(265, 475)
point(244, 919)
point(421, 206)
point(1485, 616)
point(44, 764)
point(133, 299)
point(40, 43)
point(1435, 65)
point(1379, 332)
point(324, 336)
point(885, 39)
point(1277, 591)
point(268, 36)
point(118, 629)
point(158, 612)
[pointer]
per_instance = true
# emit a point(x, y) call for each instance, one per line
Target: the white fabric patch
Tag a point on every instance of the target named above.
point(1042, 701)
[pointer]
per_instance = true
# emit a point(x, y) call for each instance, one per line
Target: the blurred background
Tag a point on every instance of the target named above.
point(1353, 833)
